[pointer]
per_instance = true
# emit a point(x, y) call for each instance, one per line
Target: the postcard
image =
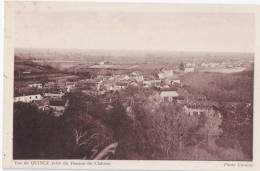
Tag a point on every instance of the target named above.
point(131, 86)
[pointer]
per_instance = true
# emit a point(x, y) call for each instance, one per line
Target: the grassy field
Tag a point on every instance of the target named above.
point(237, 87)
point(224, 70)
point(50, 77)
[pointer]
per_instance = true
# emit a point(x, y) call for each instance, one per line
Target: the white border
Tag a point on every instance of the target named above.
point(136, 1)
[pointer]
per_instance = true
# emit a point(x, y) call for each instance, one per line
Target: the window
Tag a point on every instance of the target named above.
point(195, 113)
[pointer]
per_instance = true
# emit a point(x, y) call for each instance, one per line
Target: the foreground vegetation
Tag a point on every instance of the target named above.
point(151, 131)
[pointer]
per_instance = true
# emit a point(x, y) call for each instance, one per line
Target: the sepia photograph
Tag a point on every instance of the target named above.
point(100, 82)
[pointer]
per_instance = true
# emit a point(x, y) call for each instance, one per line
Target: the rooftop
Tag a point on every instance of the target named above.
point(169, 94)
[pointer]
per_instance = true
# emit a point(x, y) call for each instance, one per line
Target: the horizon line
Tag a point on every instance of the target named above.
point(136, 50)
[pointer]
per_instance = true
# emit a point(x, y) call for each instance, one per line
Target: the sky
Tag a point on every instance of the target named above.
point(134, 30)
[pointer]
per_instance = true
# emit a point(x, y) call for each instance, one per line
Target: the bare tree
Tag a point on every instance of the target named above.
point(83, 137)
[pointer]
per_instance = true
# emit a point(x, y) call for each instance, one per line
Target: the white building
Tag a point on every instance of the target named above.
point(50, 95)
point(38, 85)
point(70, 87)
point(204, 64)
point(147, 82)
point(213, 65)
point(28, 98)
point(187, 70)
point(126, 77)
point(164, 73)
point(27, 72)
point(137, 76)
point(172, 80)
point(169, 95)
point(190, 64)
point(203, 108)
point(101, 63)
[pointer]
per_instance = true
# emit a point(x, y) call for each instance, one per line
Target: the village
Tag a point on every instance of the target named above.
point(164, 86)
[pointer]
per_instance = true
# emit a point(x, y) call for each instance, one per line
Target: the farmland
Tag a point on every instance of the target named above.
point(221, 87)
point(224, 70)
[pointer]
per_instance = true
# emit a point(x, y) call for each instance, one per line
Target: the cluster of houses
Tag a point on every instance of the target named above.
point(166, 83)
point(192, 105)
point(102, 84)
point(222, 64)
point(48, 102)
point(46, 97)
point(165, 72)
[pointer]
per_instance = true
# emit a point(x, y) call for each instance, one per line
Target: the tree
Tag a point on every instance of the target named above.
point(158, 132)
point(182, 66)
point(237, 129)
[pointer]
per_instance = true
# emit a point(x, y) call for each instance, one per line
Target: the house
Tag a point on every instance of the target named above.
point(230, 66)
point(90, 92)
point(166, 87)
point(197, 97)
point(156, 81)
point(111, 78)
point(70, 86)
point(61, 85)
point(147, 82)
point(223, 64)
point(126, 77)
point(50, 84)
point(169, 95)
point(172, 80)
point(137, 76)
point(190, 64)
point(146, 86)
point(120, 86)
point(201, 108)
point(58, 106)
point(108, 86)
point(28, 98)
point(52, 95)
point(101, 92)
point(23, 91)
point(115, 87)
point(117, 78)
point(201, 97)
point(42, 104)
point(204, 64)
point(102, 62)
point(213, 65)
point(36, 85)
point(133, 83)
point(164, 73)
point(27, 72)
point(188, 70)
